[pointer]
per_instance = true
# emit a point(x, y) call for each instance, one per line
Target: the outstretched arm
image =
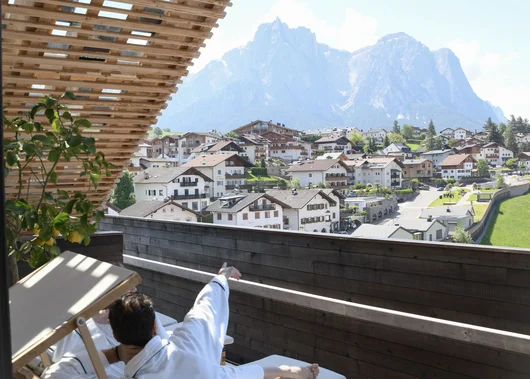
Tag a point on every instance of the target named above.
point(204, 328)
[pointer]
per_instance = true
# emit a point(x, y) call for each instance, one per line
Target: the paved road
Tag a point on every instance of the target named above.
point(411, 209)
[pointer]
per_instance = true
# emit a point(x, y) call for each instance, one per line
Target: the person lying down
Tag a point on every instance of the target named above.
point(192, 352)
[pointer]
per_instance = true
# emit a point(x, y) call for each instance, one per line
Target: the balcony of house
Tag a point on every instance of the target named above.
point(190, 196)
point(231, 187)
point(481, 329)
point(335, 176)
point(492, 156)
point(241, 175)
point(189, 184)
point(262, 207)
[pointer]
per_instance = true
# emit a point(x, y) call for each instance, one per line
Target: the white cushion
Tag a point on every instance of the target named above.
point(278, 360)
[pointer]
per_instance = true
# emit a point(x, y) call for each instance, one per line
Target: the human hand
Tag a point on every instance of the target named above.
point(230, 272)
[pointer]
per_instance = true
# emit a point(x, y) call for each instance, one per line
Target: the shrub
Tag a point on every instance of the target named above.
point(405, 191)
point(259, 171)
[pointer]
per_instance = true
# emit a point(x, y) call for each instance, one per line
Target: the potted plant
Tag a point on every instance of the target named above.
point(32, 152)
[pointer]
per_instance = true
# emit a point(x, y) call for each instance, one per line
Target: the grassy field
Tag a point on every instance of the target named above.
point(479, 209)
point(509, 224)
point(440, 202)
point(413, 146)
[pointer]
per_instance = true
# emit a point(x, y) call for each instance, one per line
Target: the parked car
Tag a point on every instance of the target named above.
point(462, 185)
point(439, 189)
point(424, 187)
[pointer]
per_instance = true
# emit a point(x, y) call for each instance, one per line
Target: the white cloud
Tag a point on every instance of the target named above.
point(355, 32)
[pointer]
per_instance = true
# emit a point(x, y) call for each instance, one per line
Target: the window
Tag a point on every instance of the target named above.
point(310, 175)
point(219, 182)
point(256, 215)
point(245, 216)
point(160, 192)
point(219, 216)
point(334, 215)
point(218, 172)
point(230, 217)
point(417, 236)
point(276, 213)
point(185, 205)
point(267, 215)
point(150, 192)
point(195, 205)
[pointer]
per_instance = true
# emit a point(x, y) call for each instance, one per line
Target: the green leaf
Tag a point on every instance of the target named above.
point(48, 196)
point(70, 95)
point(83, 122)
point(94, 178)
point(90, 144)
point(62, 194)
point(75, 141)
point(6, 171)
point(54, 250)
point(41, 138)
point(54, 154)
point(61, 218)
point(50, 102)
point(54, 177)
point(27, 127)
point(86, 240)
point(99, 216)
point(34, 110)
point(68, 116)
point(38, 126)
point(45, 233)
point(70, 206)
point(50, 114)
point(56, 125)
point(29, 149)
point(12, 158)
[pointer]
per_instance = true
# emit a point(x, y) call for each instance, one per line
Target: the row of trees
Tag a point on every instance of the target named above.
point(502, 134)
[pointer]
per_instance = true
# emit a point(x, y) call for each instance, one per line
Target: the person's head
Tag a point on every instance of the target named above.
point(132, 318)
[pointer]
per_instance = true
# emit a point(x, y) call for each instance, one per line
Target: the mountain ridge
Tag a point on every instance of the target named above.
point(286, 75)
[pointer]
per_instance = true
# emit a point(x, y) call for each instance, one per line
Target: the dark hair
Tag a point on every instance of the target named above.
point(132, 318)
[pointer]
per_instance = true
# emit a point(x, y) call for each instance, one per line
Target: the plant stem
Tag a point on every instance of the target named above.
point(13, 268)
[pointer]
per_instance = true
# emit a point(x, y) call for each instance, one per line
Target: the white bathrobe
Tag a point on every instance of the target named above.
point(192, 352)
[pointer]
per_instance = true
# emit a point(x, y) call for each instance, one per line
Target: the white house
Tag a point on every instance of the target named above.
point(387, 171)
point(226, 171)
point(156, 162)
point(437, 156)
point(424, 229)
point(448, 133)
point(458, 166)
point(257, 210)
point(378, 134)
point(495, 154)
point(522, 138)
point(451, 216)
point(288, 149)
point(160, 210)
point(334, 144)
point(382, 232)
point(461, 133)
point(308, 210)
point(524, 158)
point(184, 185)
point(327, 171)
point(255, 147)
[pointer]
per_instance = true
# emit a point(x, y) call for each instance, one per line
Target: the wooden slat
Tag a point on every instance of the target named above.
point(146, 81)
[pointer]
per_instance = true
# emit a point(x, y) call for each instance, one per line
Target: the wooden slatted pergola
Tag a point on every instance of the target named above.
point(122, 59)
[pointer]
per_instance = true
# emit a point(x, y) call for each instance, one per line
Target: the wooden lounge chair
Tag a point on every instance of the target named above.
point(277, 360)
point(56, 299)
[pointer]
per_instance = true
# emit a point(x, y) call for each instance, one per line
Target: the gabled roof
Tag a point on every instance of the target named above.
point(434, 152)
point(215, 159)
point(255, 139)
point(246, 200)
point(316, 165)
point(415, 161)
point(225, 146)
point(335, 139)
point(331, 191)
point(441, 213)
point(378, 231)
point(417, 224)
point(455, 160)
point(524, 155)
point(332, 156)
point(165, 175)
point(443, 130)
point(379, 162)
point(144, 208)
point(109, 205)
point(299, 198)
point(492, 144)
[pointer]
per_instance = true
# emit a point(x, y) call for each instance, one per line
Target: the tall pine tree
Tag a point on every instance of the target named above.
point(432, 129)
point(494, 134)
point(502, 128)
point(509, 139)
point(123, 196)
point(396, 128)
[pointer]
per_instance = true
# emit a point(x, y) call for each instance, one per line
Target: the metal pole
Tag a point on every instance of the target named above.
point(5, 330)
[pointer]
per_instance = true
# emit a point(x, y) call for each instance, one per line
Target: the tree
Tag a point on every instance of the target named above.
point(461, 236)
point(167, 130)
point(311, 138)
point(396, 138)
point(451, 143)
point(512, 163)
point(123, 195)
point(357, 139)
point(396, 128)
point(295, 183)
point(482, 168)
point(438, 143)
point(231, 134)
point(321, 185)
point(431, 129)
point(502, 128)
point(493, 135)
point(386, 141)
point(407, 131)
point(157, 131)
point(429, 143)
point(320, 151)
point(39, 207)
point(499, 180)
point(371, 146)
point(509, 140)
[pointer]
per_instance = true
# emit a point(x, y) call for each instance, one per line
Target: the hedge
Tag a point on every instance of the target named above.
point(406, 191)
point(259, 171)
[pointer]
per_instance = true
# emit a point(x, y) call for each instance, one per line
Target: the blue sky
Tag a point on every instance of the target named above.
point(490, 37)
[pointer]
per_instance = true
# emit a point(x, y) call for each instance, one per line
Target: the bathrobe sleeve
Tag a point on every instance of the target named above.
point(203, 330)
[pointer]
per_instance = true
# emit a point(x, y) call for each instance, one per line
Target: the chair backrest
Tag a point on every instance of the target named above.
point(45, 305)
